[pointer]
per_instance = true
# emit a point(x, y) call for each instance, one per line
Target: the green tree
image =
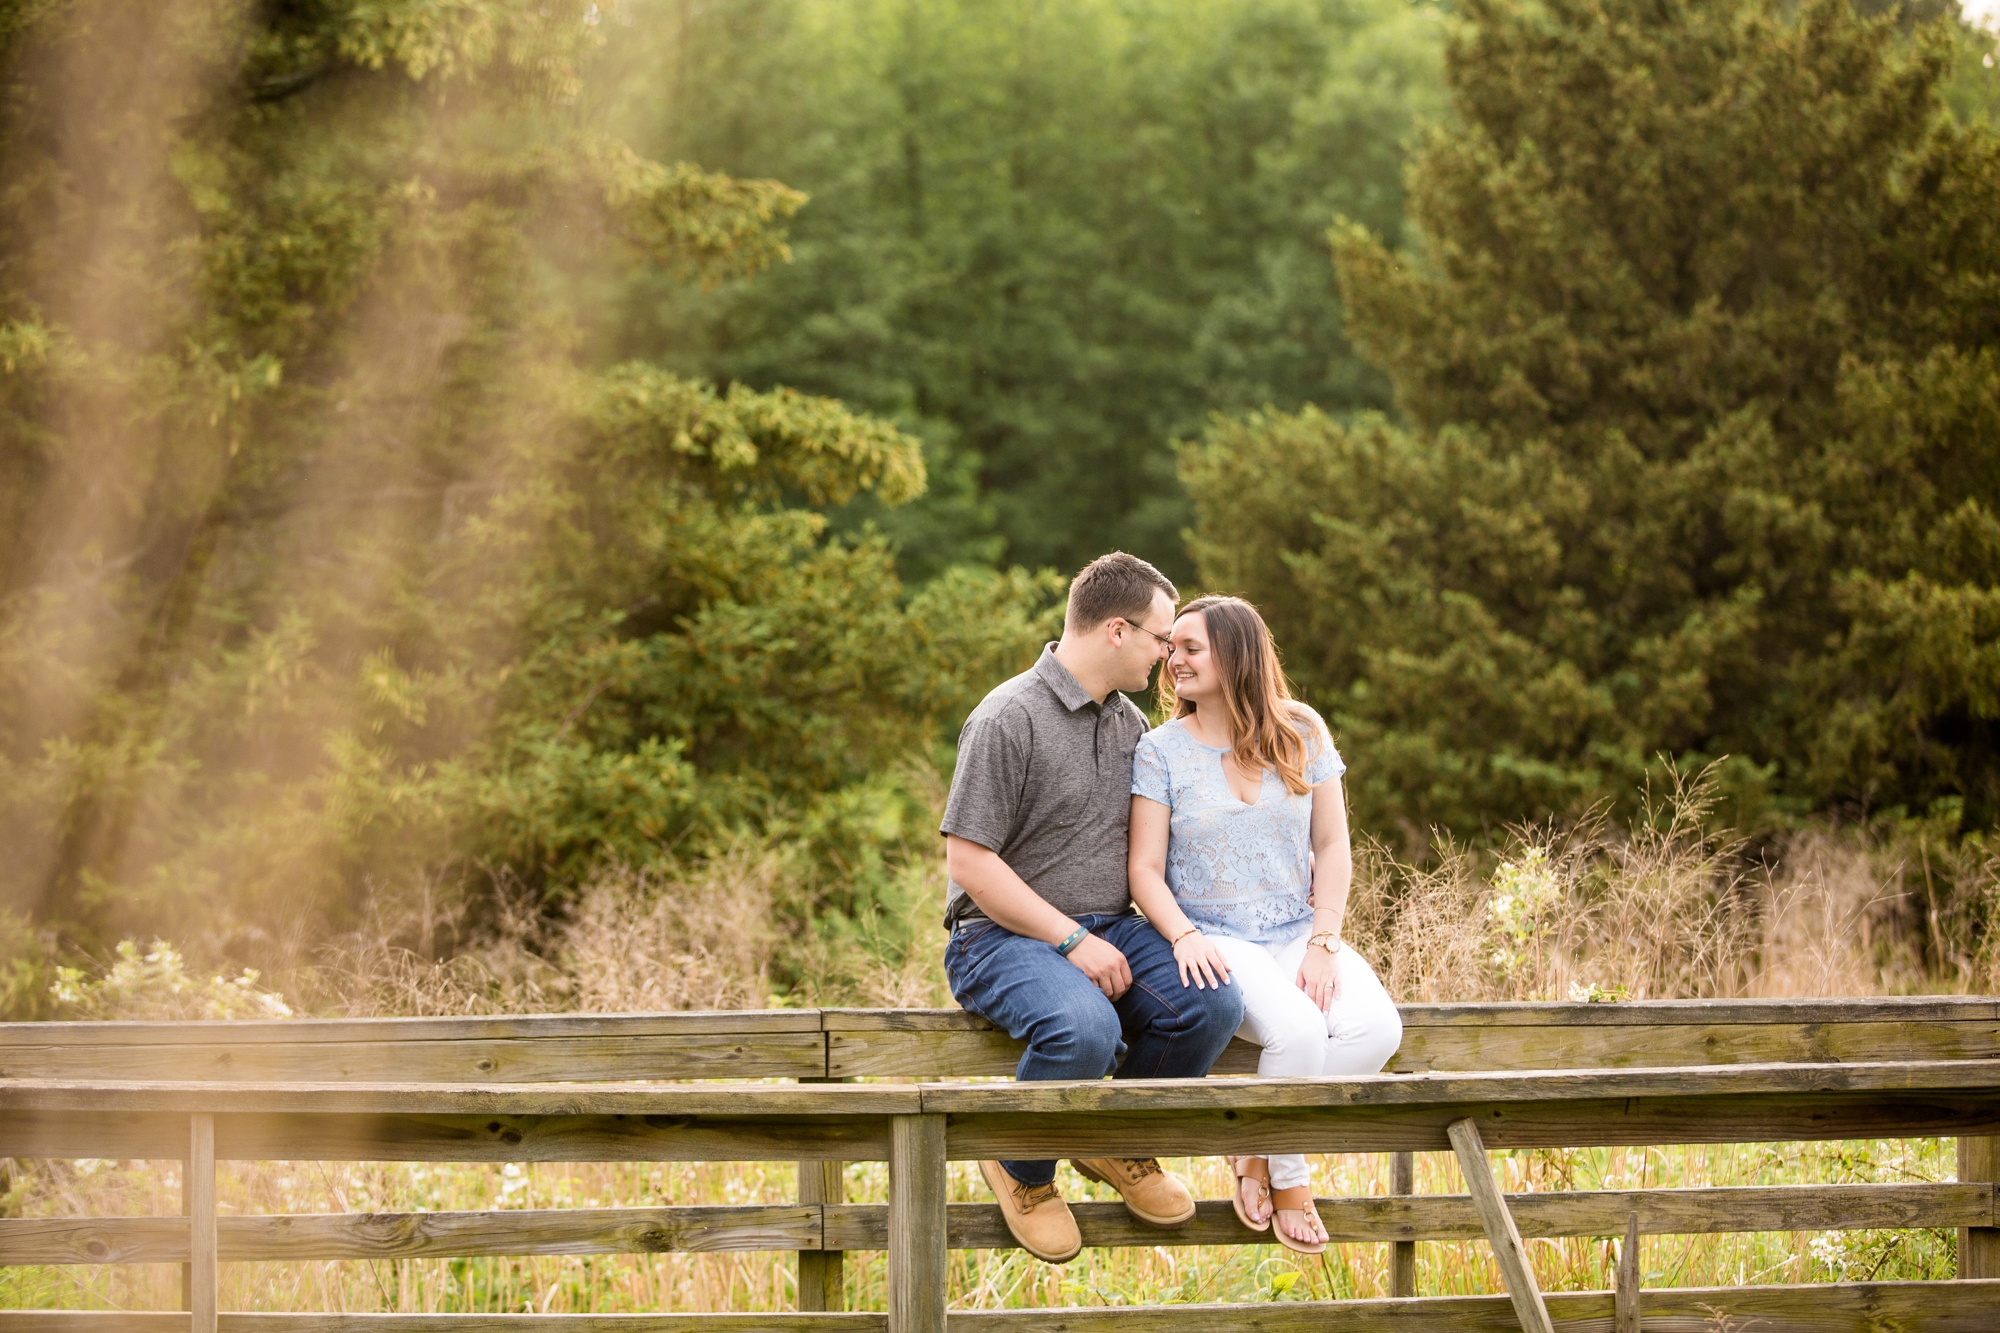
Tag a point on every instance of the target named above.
point(337, 553)
point(1044, 238)
point(1701, 355)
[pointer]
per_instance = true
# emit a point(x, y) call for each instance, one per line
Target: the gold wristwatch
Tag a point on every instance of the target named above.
point(1328, 940)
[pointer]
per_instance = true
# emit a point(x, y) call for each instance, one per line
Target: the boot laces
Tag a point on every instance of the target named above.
point(1143, 1167)
point(1031, 1197)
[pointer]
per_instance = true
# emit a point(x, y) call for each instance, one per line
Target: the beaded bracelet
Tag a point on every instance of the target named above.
point(1191, 930)
point(1074, 938)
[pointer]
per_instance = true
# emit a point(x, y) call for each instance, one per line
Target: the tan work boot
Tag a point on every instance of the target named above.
point(1036, 1214)
point(1150, 1194)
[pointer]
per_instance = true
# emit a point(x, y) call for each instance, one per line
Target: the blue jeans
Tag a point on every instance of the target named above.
point(1157, 1029)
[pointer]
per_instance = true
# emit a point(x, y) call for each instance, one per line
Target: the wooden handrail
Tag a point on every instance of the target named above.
point(502, 1090)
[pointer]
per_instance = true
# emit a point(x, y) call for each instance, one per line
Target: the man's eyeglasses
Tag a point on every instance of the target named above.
point(1143, 630)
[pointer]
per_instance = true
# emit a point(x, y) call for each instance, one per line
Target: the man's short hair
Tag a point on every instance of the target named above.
point(1115, 585)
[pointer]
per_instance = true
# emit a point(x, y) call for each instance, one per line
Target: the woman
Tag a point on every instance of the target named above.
point(1240, 857)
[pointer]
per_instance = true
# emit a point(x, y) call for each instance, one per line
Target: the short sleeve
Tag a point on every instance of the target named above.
point(1323, 761)
point(1149, 771)
point(985, 800)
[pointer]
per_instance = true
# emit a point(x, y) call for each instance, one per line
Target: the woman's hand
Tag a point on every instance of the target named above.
point(1201, 963)
point(1318, 979)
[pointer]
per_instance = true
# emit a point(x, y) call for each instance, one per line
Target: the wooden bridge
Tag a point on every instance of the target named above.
point(1468, 1078)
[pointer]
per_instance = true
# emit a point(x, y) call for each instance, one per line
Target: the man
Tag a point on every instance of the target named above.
point(1044, 939)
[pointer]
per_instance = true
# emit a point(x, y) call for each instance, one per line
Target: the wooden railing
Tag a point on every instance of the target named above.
point(487, 1090)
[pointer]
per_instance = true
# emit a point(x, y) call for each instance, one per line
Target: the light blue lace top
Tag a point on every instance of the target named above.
point(1235, 869)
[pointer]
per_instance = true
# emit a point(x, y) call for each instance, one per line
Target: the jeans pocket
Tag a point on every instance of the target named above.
point(970, 944)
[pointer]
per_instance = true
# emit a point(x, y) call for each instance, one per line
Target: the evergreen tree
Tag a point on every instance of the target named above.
point(1701, 353)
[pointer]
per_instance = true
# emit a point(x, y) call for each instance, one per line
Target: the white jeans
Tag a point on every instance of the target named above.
point(1356, 1036)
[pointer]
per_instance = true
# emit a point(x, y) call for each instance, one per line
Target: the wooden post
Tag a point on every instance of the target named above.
point(822, 1273)
point(1403, 1253)
point(1625, 1284)
point(198, 1275)
point(1501, 1233)
point(917, 1256)
point(1979, 1247)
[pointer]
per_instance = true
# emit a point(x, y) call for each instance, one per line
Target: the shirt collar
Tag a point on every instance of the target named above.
point(1060, 682)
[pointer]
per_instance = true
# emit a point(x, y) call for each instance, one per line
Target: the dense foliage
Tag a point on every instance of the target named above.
point(1700, 356)
point(333, 555)
point(1045, 238)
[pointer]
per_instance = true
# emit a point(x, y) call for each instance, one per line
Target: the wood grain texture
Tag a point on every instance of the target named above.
point(1979, 1244)
point(917, 1244)
point(553, 1138)
point(786, 1322)
point(962, 1053)
point(296, 1031)
point(1637, 1121)
point(576, 1059)
point(780, 1227)
point(199, 1281)
point(822, 1269)
point(1885, 1307)
point(1625, 1279)
point(1394, 1090)
point(1403, 1253)
point(735, 1101)
point(1467, 1047)
point(1508, 1251)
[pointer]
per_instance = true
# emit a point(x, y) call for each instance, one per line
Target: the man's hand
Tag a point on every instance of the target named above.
point(1101, 961)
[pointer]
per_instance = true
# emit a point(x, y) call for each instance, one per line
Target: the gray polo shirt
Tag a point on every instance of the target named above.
point(1044, 778)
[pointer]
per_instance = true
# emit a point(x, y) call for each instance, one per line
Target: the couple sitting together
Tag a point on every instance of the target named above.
point(1225, 826)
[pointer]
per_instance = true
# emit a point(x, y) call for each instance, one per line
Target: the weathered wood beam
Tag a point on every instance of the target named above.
point(917, 1249)
point(570, 1059)
point(783, 1227)
point(1508, 1251)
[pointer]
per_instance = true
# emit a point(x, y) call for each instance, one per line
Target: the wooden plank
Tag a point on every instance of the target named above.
point(967, 1054)
point(781, 1227)
point(1140, 1095)
point(122, 1135)
point(1878, 1307)
point(199, 1277)
point(736, 1101)
point(512, 1231)
point(510, 1060)
point(1625, 1291)
point(295, 1031)
point(553, 1323)
point(95, 1240)
point(1541, 1013)
point(120, 1321)
point(1403, 1253)
point(822, 1271)
point(1508, 1251)
point(1884, 1307)
point(389, 1138)
point(1611, 1122)
point(917, 1252)
point(1979, 1244)
point(1450, 1048)
point(1438, 1217)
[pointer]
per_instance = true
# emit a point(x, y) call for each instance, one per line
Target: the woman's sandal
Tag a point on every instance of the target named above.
point(1297, 1199)
point(1249, 1168)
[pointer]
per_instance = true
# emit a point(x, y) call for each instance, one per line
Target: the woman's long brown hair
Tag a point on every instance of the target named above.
point(1266, 725)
